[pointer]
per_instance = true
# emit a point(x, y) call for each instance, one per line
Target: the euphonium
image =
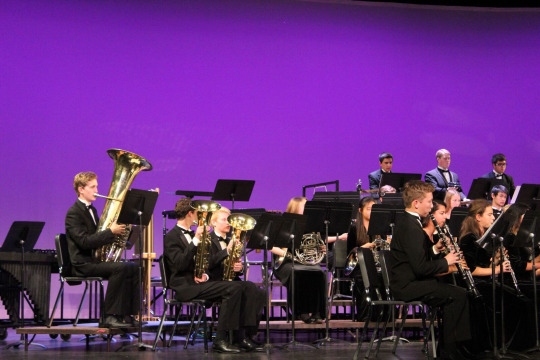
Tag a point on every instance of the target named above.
point(204, 213)
point(240, 223)
point(126, 166)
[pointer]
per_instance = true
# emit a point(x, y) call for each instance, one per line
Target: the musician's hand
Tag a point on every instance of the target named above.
point(202, 279)
point(507, 267)
point(452, 258)
point(369, 245)
point(439, 246)
point(322, 248)
point(117, 229)
point(464, 263)
point(238, 267)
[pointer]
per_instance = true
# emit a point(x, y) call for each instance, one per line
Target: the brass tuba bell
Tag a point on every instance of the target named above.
point(241, 224)
point(126, 166)
point(204, 208)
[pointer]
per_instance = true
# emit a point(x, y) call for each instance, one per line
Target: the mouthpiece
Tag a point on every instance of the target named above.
point(105, 197)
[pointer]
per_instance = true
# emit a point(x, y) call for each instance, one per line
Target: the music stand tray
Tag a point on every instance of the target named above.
point(337, 214)
point(191, 193)
point(233, 190)
point(138, 201)
point(27, 231)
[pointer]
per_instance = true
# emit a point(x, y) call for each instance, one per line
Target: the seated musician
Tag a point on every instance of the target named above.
point(253, 297)
point(122, 298)
point(518, 309)
point(309, 283)
point(499, 195)
point(179, 251)
point(385, 162)
point(452, 199)
point(415, 270)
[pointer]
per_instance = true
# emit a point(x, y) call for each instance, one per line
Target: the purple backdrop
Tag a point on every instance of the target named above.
point(286, 93)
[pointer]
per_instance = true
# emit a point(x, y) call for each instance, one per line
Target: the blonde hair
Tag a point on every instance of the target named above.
point(217, 212)
point(81, 179)
point(295, 204)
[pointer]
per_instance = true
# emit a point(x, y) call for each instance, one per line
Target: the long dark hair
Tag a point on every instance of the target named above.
point(470, 225)
point(361, 232)
point(512, 216)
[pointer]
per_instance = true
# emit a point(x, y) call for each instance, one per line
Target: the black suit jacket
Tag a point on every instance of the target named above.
point(435, 178)
point(81, 234)
point(217, 256)
point(412, 262)
point(506, 180)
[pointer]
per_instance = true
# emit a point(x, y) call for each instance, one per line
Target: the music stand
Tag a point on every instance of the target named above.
point(525, 238)
point(528, 193)
point(480, 189)
point(233, 190)
point(137, 209)
point(261, 238)
point(456, 219)
point(325, 216)
point(352, 197)
point(22, 235)
point(397, 180)
point(191, 194)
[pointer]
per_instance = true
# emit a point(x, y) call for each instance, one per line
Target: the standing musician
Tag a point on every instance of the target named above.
point(309, 287)
point(122, 298)
point(385, 162)
point(518, 310)
point(498, 161)
point(442, 178)
point(179, 250)
point(415, 269)
point(253, 298)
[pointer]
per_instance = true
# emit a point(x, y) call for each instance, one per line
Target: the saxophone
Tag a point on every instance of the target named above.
point(450, 243)
point(240, 223)
point(204, 213)
point(126, 166)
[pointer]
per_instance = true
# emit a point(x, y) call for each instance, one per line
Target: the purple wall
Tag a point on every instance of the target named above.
point(285, 93)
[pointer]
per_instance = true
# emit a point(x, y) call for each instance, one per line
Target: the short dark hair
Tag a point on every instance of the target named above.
point(385, 155)
point(498, 157)
point(499, 188)
point(182, 208)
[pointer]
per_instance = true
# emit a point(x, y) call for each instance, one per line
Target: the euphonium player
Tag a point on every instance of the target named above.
point(122, 298)
point(179, 250)
point(253, 298)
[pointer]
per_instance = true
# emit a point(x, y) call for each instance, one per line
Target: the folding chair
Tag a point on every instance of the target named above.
point(340, 261)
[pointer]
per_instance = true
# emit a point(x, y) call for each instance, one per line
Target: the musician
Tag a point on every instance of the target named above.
point(122, 297)
point(310, 281)
point(499, 194)
point(452, 199)
point(385, 162)
point(253, 298)
point(179, 250)
point(415, 269)
point(498, 162)
point(520, 256)
point(442, 178)
point(518, 309)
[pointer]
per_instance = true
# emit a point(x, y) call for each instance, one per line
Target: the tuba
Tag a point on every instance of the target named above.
point(126, 166)
point(240, 223)
point(204, 213)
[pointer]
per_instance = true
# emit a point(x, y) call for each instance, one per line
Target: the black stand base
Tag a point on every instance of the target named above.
point(22, 342)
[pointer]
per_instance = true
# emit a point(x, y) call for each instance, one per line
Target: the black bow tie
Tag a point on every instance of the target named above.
point(190, 232)
point(90, 206)
point(444, 171)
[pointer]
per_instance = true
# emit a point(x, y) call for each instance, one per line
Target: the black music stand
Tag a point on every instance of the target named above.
point(328, 217)
point(528, 193)
point(456, 219)
point(137, 209)
point(191, 194)
point(352, 197)
point(261, 238)
point(22, 235)
point(525, 238)
point(233, 190)
point(480, 189)
point(397, 180)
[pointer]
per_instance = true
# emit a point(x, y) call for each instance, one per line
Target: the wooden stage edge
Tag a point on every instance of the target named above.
point(93, 328)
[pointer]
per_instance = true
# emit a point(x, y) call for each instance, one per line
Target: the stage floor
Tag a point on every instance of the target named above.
point(343, 348)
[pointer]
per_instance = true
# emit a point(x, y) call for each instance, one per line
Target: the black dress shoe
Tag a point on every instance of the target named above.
point(305, 318)
point(221, 346)
point(130, 321)
point(112, 321)
point(249, 345)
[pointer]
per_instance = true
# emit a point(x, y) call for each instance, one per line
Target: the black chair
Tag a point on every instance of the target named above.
point(198, 308)
point(340, 261)
point(64, 265)
point(385, 258)
point(374, 299)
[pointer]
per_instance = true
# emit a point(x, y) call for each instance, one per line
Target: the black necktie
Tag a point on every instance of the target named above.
point(190, 232)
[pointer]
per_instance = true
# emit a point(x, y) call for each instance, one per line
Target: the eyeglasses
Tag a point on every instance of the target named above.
point(500, 164)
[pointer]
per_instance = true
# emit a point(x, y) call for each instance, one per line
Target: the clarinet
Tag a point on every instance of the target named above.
point(463, 272)
point(512, 273)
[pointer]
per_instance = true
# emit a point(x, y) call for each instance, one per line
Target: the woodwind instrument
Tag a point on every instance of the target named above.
point(512, 273)
point(450, 243)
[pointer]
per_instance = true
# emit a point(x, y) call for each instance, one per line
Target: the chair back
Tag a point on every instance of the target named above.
point(340, 254)
point(62, 255)
point(369, 272)
point(163, 273)
point(385, 259)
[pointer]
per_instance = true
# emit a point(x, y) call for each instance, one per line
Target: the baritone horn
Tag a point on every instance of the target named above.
point(126, 166)
point(241, 224)
point(204, 208)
